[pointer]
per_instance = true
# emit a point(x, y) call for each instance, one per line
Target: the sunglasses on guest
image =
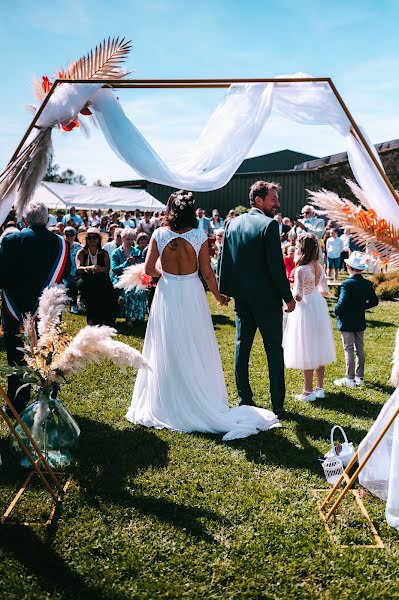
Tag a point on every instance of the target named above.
point(70, 234)
point(93, 237)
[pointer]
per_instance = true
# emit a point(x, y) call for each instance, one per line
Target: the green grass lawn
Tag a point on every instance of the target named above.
point(158, 514)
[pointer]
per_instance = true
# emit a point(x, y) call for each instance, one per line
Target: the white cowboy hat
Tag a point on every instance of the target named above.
point(357, 260)
point(83, 235)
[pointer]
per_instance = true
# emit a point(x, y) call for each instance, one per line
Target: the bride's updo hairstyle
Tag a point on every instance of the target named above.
point(180, 211)
point(308, 246)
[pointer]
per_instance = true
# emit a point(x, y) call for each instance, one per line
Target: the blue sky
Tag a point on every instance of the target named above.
point(354, 42)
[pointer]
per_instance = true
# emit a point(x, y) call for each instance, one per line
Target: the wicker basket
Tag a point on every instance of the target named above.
point(333, 469)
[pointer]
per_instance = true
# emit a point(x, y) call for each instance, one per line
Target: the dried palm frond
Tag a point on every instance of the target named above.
point(395, 361)
point(103, 63)
point(365, 226)
point(27, 170)
point(358, 193)
point(38, 90)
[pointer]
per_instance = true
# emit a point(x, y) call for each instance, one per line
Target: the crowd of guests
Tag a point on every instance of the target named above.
point(101, 246)
point(335, 244)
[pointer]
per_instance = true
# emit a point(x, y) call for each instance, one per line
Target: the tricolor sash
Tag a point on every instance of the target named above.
point(53, 278)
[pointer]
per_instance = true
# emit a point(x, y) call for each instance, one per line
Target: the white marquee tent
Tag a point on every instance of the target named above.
point(63, 195)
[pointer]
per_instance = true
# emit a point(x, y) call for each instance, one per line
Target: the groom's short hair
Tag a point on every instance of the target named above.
point(261, 189)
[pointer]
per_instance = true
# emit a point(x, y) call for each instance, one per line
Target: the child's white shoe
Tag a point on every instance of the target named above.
point(319, 393)
point(306, 397)
point(345, 382)
point(359, 381)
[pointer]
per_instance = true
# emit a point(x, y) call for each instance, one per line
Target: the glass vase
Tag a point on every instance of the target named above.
point(52, 427)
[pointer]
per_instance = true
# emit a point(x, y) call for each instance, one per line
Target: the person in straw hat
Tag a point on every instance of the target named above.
point(94, 283)
point(356, 295)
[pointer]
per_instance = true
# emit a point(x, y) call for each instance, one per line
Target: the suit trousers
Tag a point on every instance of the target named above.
point(11, 330)
point(353, 341)
point(268, 319)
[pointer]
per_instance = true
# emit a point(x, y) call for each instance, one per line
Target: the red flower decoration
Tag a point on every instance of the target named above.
point(146, 279)
point(46, 84)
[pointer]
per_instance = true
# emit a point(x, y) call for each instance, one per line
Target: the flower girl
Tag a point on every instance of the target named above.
point(308, 339)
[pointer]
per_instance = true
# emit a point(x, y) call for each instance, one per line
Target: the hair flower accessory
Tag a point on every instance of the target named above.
point(183, 200)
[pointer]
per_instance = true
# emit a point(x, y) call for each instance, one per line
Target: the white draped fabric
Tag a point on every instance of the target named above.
point(227, 138)
point(381, 473)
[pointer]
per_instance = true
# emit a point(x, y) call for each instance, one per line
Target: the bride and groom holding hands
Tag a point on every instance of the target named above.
point(185, 389)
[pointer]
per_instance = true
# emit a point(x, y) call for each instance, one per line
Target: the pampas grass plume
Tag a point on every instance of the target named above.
point(94, 344)
point(51, 304)
point(131, 278)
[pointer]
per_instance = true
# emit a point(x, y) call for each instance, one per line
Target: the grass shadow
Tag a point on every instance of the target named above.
point(372, 323)
point(108, 459)
point(274, 448)
point(107, 463)
point(219, 320)
point(381, 387)
point(347, 404)
point(39, 558)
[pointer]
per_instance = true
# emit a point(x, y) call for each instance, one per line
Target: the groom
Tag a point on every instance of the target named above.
point(251, 270)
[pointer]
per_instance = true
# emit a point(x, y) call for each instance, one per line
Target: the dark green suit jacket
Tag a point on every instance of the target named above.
point(251, 266)
point(356, 296)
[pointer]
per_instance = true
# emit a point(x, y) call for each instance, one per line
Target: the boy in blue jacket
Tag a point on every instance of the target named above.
point(356, 296)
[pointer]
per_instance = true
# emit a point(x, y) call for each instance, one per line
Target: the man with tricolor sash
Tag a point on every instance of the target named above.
point(30, 260)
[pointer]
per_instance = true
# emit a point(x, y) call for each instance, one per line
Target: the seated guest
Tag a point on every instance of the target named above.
point(287, 221)
point(128, 221)
point(52, 220)
point(145, 225)
point(78, 221)
point(104, 224)
point(94, 282)
point(216, 221)
point(70, 281)
point(141, 244)
point(283, 229)
point(135, 301)
point(288, 257)
point(219, 234)
point(85, 225)
point(156, 220)
point(230, 215)
point(203, 221)
point(115, 219)
point(115, 233)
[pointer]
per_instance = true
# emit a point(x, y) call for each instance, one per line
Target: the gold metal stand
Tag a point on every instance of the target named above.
point(47, 476)
point(326, 510)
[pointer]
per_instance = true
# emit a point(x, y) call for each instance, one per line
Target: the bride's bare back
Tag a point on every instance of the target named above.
point(179, 257)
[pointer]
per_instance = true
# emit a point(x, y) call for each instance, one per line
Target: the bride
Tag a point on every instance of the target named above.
point(185, 390)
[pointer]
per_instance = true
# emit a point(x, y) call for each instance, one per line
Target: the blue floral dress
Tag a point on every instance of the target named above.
point(135, 301)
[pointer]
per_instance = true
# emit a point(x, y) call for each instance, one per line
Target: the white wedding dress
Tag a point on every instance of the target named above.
point(308, 340)
point(185, 390)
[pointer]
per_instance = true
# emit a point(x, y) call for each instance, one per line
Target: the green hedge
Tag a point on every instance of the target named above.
point(387, 285)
